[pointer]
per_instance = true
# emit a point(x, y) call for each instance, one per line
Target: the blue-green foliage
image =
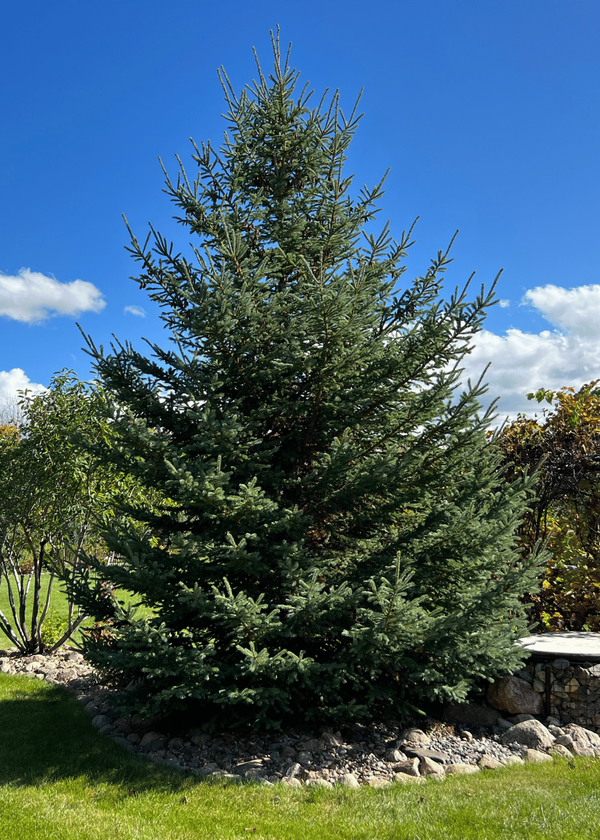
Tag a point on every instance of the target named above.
point(335, 539)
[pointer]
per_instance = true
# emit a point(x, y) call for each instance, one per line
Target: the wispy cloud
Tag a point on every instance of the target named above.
point(521, 362)
point(135, 310)
point(30, 296)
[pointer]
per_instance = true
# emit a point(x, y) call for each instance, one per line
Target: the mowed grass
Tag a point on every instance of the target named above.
point(60, 779)
point(58, 608)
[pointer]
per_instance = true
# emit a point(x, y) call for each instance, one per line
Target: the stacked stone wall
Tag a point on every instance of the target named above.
point(574, 690)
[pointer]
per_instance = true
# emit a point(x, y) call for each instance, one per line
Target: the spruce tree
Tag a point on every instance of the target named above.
point(336, 539)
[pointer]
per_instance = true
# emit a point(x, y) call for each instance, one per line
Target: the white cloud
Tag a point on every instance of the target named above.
point(12, 381)
point(504, 304)
point(30, 296)
point(522, 362)
point(135, 310)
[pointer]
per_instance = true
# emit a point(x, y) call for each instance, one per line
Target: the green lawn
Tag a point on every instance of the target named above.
point(59, 606)
point(60, 780)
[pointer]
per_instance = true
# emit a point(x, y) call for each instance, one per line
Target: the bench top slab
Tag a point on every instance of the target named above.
point(574, 645)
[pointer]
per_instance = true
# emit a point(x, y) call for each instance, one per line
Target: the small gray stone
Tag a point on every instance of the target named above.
point(415, 736)
point(424, 752)
point(331, 740)
point(429, 767)
point(409, 767)
point(536, 756)
point(559, 750)
point(99, 721)
point(566, 741)
point(461, 769)
point(253, 765)
point(488, 762)
point(319, 783)
point(349, 780)
point(313, 746)
point(406, 778)
point(293, 770)
point(378, 782)
point(394, 756)
point(291, 781)
point(153, 741)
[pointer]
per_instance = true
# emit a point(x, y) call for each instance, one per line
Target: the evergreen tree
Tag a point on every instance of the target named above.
point(336, 539)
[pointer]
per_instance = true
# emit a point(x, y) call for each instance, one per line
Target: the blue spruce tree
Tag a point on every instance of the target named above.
point(336, 537)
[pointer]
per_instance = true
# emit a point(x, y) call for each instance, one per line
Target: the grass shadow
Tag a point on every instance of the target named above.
point(45, 736)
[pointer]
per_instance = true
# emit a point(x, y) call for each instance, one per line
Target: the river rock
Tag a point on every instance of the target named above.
point(514, 695)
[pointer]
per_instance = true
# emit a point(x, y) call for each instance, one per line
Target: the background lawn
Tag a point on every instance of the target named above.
point(59, 607)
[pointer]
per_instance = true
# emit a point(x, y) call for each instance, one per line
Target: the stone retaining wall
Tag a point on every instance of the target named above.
point(574, 689)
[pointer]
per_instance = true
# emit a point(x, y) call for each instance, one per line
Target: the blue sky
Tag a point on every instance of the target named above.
point(486, 111)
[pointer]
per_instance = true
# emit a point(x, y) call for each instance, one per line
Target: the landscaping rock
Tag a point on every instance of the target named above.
point(394, 756)
point(488, 762)
point(530, 733)
point(319, 783)
point(359, 755)
point(153, 741)
point(559, 750)
point(415, 736)
point(405, 778)
point(461, 769)
point(423, 752)
point(349, 780)
point(409, 767)
point(429, 767)
point(536, 756)
point(581, 735)
point(514, 695)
